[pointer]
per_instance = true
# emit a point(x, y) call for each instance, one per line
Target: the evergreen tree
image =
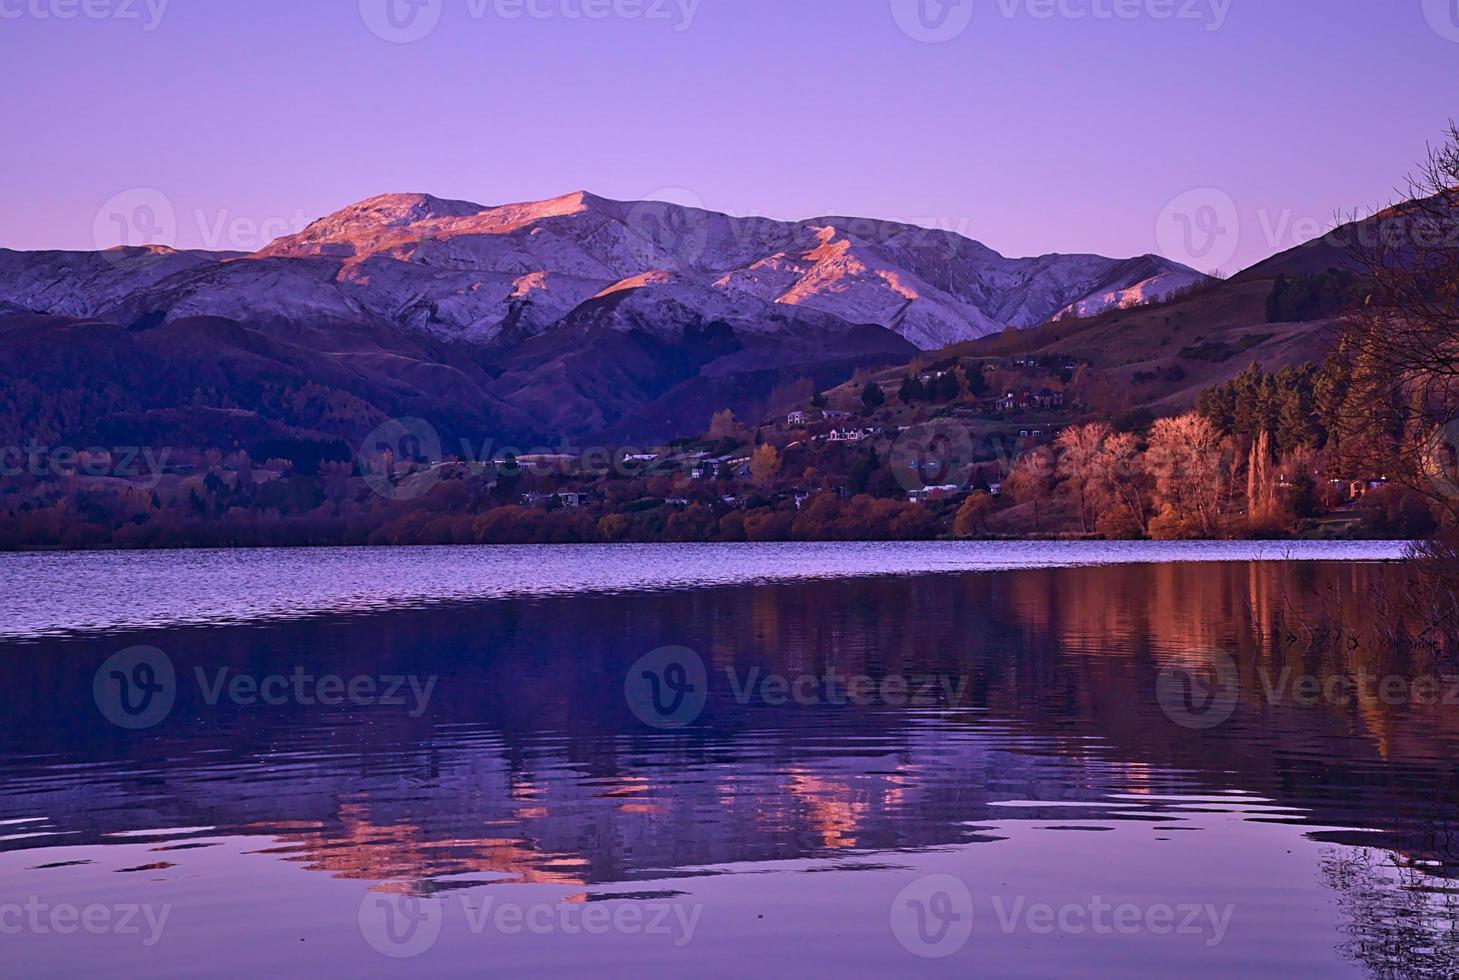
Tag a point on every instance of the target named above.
point(946, 388)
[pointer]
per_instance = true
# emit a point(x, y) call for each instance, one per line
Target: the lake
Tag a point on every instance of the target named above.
point(1020, 760)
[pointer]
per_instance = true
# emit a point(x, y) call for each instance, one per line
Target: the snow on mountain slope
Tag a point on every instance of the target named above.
point(1158, 287)
point(499, 275)
point(86, 283)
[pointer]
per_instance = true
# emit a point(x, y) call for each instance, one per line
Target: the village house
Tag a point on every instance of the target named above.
point(1349, 489)
point(928, 494)
point(568, 499)
point(1043, 400)
point(708, 469)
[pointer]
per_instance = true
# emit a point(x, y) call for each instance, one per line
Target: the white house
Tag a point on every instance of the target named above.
point(934, 493)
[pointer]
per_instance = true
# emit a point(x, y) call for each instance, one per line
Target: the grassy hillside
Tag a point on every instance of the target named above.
point(1159, 358)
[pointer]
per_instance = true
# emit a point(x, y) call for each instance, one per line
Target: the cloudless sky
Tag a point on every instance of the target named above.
point(1032, 134)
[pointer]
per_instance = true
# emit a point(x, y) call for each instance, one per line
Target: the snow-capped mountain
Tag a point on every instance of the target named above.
point(575, 317)
point(497, 276)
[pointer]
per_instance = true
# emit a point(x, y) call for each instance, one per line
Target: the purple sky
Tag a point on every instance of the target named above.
point(1031, 133)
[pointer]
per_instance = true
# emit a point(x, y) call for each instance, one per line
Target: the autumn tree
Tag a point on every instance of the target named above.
point(765, 465)
point(1261, 484)
point(613, 528)
point(1123, 486)
point(1032, 482)
point(724, 425)
point(972, 516)
point(1185, 458)
point(1080, 450)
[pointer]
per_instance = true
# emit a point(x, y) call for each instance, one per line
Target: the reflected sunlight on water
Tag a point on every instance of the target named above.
point(1028, 754)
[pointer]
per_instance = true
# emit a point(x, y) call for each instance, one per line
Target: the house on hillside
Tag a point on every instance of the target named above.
point(1043, 400)
point(928, 494)
point(569, 500)
point(709, 469)
point(1350, 489)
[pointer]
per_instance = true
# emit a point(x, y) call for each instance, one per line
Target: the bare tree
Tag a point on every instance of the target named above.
point(1032, 482)
point(1185, 458)
point(1402, 344)
point(1080, 449)
point(1123, 481)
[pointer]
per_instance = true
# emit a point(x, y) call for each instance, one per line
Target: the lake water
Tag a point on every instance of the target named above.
point(1022, 760)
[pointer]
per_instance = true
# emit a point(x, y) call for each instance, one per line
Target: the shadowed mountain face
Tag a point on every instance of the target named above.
point(576, 316)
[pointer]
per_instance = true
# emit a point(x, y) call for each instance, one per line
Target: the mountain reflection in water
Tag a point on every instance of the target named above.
point(1034, 705)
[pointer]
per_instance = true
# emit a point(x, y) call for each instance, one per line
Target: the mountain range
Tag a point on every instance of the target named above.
point(573, 317)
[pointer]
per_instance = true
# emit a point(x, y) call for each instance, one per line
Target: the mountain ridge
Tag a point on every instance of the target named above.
point(463, 270)
point(576, 316)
